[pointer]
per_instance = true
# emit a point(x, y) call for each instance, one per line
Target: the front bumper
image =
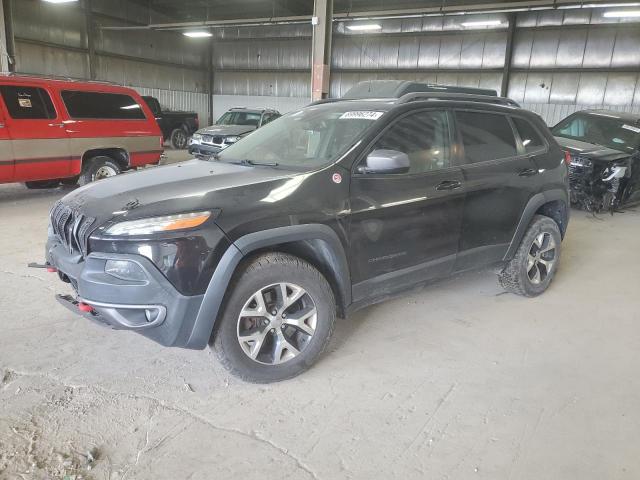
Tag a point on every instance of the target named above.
point(204, 149)
point(152, 307)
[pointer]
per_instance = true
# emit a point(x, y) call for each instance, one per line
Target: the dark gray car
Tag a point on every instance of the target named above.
point(229, 128)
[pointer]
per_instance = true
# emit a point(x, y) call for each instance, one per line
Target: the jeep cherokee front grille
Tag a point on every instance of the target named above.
point(71, 227)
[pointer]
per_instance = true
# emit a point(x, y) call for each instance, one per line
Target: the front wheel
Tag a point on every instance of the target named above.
point(179, 139)
point(277, 321)
point(98, 168)
point(535, 263)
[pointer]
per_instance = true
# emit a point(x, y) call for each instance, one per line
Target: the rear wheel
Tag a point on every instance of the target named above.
point(179, 138)
point(98, 168)
point(277, 321)
point(534, 265)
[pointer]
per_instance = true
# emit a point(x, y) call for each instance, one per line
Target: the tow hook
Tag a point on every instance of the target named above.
point(50, 268)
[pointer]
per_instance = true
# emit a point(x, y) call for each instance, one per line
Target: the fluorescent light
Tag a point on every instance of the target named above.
point(622, 14)
point(60, 1)
point(198, 34)
point(364, 27)
point(482, 23)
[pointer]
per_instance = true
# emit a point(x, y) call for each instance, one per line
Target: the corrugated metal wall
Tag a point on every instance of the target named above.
point(52, 40)
point(563, 60)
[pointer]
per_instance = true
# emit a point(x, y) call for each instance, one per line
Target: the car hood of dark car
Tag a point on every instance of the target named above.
point(227, 129)
point(192, 186)
point(591, 150)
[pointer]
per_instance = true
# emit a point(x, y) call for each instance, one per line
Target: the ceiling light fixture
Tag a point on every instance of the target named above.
point(198, 34)
point(622, 14)
point(60, 1)
point(482, 23)
point(364, 27)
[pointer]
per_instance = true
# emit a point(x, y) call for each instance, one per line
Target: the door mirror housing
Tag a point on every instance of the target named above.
point(386, 161)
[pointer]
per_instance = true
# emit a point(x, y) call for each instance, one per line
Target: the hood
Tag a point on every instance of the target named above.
point(195, 185)
point(591, 150)
point(227, 129)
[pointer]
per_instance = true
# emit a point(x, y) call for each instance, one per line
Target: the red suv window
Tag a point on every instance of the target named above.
point(27, 103)
point(97, 105)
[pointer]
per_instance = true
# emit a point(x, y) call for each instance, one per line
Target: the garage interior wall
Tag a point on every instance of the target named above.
point(562, 60)
point(52, 39)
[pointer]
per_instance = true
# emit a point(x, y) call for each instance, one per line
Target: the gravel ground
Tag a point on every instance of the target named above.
point(454, 381)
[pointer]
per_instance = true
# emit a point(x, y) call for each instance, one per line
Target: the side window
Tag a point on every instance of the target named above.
point(485, 136)
point(269, 117)
point(105, 106)
point(423, 136)
point(574, 127)
point(531, 139)
point(27, 103)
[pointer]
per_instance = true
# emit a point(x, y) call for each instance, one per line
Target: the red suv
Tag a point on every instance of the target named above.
point(54, 131)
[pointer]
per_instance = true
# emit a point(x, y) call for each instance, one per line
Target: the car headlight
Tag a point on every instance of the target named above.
point(196, 138)
point(146, 226)
point(233, 139)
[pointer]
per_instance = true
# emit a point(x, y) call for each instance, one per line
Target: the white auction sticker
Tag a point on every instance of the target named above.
point(362, 115)
point(632, 128)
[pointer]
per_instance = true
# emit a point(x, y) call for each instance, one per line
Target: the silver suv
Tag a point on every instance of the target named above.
point(229, 128)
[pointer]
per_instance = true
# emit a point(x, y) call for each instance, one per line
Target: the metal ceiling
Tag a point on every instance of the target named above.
point(171, 13)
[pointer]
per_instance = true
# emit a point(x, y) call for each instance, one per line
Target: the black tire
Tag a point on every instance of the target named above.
point(92, 168)
point(519, 276)
point(42, 184)
point(179, 138)
point(257, 274)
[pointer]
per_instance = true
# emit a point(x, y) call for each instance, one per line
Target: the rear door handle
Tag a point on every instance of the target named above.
point(449, 185)
point(56, 125)
point(528, 172)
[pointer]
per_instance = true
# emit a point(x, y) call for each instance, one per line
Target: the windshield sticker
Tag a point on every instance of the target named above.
point(632, 128)
point(361, 115)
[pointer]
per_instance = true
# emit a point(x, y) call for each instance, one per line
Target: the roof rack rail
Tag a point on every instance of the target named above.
point(413, 96)
point(56, 77)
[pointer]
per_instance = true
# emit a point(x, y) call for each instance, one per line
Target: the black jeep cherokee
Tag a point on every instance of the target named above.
point(325, 210)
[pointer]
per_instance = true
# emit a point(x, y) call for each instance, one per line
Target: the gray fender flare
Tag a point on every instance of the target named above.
point(214, 296)
point(530, 210)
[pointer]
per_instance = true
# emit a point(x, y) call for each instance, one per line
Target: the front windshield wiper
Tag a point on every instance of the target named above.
point(256, 164)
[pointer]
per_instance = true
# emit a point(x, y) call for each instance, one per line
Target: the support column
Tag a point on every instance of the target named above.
point(321, 48)
point(508, 55)
point(7, 45)
point(90, 29)
point(210, 74)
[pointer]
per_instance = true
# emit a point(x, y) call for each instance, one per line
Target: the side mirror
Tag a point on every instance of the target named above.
point(386, 161)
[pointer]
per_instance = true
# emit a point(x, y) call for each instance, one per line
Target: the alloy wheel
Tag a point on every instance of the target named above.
point(180, 139)
point(541, 258)
point(277, 323)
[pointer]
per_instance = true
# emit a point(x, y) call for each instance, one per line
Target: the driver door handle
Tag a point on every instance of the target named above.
point(449, 185)
point(56, 125)
point(528, 172)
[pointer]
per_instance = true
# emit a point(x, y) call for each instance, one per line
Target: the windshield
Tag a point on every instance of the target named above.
point(239, 118)
point(309, 138)
point(600, 129)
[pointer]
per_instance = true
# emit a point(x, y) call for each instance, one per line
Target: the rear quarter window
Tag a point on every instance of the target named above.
point(98, 105)
point(27, 103)
point(531, 139)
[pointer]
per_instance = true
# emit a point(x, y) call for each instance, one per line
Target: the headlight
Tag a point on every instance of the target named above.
point(231, 139)
point(196, 138)
point(146, 226)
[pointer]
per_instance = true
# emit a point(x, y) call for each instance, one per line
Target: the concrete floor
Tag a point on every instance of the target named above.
point(455, 381)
